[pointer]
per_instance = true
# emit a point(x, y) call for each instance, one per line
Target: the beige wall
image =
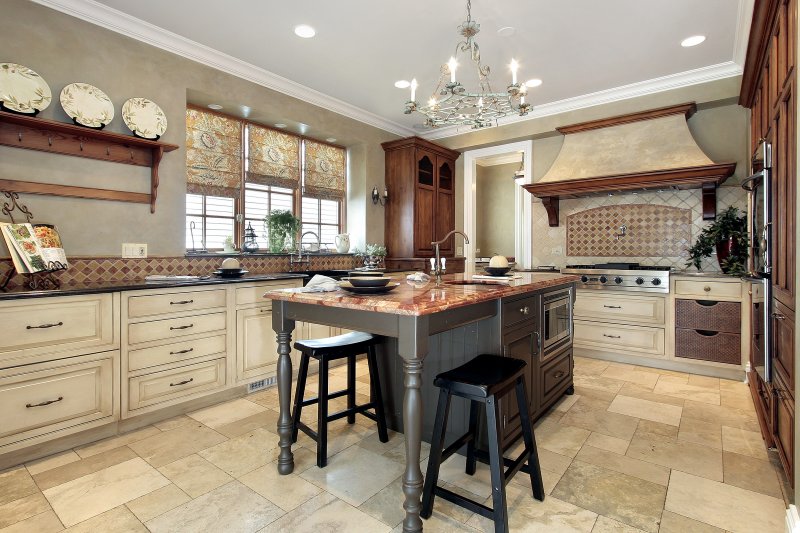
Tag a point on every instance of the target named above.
point(495, 216)
point(63, 50)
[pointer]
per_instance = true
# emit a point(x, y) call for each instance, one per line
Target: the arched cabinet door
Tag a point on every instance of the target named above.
point(425, 203)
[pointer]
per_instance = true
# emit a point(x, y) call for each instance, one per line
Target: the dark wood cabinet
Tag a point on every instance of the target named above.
point(519, 344)
point(769, 84)
point(420, 180)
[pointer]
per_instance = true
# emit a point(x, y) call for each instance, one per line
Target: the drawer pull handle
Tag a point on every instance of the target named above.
point(706, 333)
point(181, 327)
point(612, 336)
point(45, 326)
point(182, 302)
point(560, 374)
point(778, 316)
point(48, 402)
point(707, 288)
point(612, 306)
point(181, 382)
point(525, 310)
point(187, 350)
point(706, 303)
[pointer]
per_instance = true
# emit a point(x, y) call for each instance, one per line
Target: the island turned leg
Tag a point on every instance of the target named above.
point(284, 327)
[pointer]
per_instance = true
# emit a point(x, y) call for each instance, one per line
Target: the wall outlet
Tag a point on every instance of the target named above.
point(460, 251)
point(132, 250)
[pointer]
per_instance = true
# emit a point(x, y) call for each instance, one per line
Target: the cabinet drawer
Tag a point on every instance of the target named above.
point(175, 352)
point(636, 309)
point(175, 302)
point(518, 311)
point(176, 383)
point(619, 337)
point(708, 315)
point(708, 346)
point(708, 289)
point(175, 327)
point(555, 375)
point(254, 294)
point(62, 323)
point(47, 396)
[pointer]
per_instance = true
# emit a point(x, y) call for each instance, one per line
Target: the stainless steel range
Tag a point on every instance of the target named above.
point(621, 277)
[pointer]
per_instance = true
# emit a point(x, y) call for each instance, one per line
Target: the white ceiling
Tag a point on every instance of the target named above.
point(617, 48)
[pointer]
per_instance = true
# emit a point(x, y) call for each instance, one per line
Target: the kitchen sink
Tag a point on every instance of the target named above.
point(472, 282)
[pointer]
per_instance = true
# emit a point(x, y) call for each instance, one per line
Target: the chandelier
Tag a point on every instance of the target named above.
point(458, 107)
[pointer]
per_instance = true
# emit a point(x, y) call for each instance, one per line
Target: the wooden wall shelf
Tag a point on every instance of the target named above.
point(707, 178)
point(60, 138)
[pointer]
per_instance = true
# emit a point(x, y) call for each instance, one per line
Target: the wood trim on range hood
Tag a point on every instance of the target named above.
point(704, 176)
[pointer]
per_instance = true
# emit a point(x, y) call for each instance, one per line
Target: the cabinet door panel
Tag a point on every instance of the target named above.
point(445, 221)
point(784, 199)
point(424, 220)
point(256, 345)
point(519, 345)
point(783, 429)
point(784, 345)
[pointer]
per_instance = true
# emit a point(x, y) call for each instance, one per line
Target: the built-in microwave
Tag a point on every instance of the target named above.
point(557, 318)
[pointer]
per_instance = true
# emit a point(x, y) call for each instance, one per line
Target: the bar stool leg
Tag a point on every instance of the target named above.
point(351, 388)
point(375, 393)
point(322, 414)
point(534, 469)
point(435, 458)
point(497, 466)
point(473, 427)
point(302, 374)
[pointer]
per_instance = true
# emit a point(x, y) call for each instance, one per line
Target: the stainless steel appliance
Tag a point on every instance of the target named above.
point(759, 188)
point(621, 277)
point(557, 317)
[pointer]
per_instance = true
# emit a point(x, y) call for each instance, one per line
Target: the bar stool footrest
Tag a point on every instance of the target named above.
point(357, 410)
point(460, 500)
point(312, 401)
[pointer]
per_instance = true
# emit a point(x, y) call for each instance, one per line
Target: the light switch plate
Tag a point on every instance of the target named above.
point(460, 251)
point(132, 250)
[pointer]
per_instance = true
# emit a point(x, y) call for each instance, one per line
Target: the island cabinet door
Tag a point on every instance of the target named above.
point(519, 344)
point(256, 345)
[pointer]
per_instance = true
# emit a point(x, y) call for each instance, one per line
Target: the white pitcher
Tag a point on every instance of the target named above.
point(342, 243)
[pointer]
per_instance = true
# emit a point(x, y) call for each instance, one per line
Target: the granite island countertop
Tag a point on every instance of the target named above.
point(419, 299)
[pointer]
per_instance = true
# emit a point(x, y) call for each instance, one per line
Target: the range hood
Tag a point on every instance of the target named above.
point(642, 151)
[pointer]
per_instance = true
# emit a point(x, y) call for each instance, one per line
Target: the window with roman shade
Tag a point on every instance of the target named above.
point(325, 171)
point(213, 154)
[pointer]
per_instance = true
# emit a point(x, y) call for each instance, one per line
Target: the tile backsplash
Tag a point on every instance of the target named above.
point(552, 246)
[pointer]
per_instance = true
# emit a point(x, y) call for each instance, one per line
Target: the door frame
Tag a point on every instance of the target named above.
point(523, 204)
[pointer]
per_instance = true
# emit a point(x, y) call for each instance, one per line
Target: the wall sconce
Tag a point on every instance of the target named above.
point(377, 198)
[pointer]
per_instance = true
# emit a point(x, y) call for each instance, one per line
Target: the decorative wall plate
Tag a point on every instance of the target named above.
point(23, 90)
point(87, 105)
point(144, 118)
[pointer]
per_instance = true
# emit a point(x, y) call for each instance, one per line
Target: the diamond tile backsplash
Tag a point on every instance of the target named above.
point(89, 269)
point(629, 231)
point(551, 246)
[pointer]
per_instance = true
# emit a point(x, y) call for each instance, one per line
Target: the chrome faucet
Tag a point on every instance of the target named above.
point(299, 259)
point(437, 269)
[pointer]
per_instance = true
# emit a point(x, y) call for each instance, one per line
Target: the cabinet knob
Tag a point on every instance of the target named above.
point(707, 288)
point(525, 310)
point(778, 316)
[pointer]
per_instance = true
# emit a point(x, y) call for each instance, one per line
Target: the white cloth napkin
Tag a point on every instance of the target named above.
point(418, 276)
point(321, 284)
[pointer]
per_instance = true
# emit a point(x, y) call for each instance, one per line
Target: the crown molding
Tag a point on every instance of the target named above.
point(633, 90)
point(491, 161)
point(119, 22)
point(744, 18)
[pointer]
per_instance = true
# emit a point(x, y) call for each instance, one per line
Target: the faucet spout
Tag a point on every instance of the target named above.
point(437, 267)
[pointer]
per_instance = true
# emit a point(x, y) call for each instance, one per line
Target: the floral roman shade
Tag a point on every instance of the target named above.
point(213, 154)
point(325, 171)
point(273, 158)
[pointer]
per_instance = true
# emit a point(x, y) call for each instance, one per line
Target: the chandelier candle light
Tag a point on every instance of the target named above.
point(461, 108)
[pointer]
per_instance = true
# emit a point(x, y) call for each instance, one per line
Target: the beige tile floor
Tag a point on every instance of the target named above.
point(634, 449)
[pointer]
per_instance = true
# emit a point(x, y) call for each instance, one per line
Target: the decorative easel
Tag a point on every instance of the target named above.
point(46, 279)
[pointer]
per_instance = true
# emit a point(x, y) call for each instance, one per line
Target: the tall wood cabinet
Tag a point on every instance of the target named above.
point(420, 179)
point(769, 85)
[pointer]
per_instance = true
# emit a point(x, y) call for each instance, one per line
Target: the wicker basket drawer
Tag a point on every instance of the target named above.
point(708, 315)
point(708, 346)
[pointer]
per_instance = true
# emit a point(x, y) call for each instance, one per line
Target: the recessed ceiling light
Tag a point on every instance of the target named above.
point(402, 84)
point(535, 82)
point(216, 107)
point(280, 125)
point(305, 31)
point(506, 31)
point(693, 40)
point(331, 139)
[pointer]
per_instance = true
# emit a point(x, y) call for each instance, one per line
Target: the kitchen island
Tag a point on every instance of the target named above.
point(415, 315)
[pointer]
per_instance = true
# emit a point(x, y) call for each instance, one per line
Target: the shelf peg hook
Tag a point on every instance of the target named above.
point(81, 146)
point(108, 151)
point(19, 136)
point(49, 140)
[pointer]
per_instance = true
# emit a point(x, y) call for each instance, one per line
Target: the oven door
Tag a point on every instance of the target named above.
point(557, 318)
point(760, 316)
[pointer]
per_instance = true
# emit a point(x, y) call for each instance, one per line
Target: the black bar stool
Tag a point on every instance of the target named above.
point(326, 350)
point(483, 380)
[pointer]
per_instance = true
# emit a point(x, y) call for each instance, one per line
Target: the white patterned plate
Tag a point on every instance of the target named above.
point(22, 89)
point(144, 118)
point(87, 104)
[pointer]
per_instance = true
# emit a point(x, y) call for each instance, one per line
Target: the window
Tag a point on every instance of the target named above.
point(238, 172)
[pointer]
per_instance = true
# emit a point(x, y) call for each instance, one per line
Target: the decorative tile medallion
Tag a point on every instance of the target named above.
point(649, 230)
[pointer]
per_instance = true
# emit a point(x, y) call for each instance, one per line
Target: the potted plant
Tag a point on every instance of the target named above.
point(282, 228)
point(372, 254)
point(228, 244)
point(728, 236)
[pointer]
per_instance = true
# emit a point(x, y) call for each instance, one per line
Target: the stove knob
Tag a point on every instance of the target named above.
point(618, 280)
point(603, 279)
point(584, 279)
point(656, 281)
point(639, 281)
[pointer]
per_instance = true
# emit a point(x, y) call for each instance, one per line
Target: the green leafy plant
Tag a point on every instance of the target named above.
point(729, 227)
point(282, 228)
point(371, 250)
